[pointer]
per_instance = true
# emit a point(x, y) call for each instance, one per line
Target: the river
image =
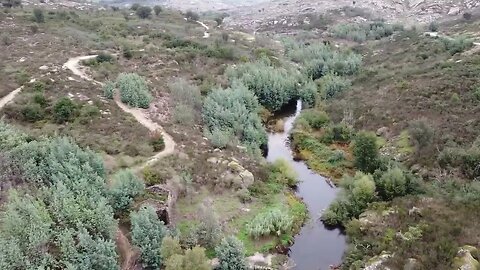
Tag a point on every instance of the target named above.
point(316, 247)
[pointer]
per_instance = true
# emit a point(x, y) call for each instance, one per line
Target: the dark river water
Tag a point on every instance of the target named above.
point(316, 247)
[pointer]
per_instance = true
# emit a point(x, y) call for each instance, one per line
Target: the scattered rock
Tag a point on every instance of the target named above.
point(43, 68)
point(213, 160)
point(376, 263)
point(415, 211)
point(412, 264)
point(383, 131)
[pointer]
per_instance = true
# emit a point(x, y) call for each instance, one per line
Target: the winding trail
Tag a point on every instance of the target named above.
point(206, 34)
point(6, 99)
point(73, 64)
point(128, 253)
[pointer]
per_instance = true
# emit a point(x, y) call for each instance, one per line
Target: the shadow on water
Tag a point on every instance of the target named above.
point(316, 247)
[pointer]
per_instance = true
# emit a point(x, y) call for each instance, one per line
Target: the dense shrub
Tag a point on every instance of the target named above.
point(147, 233)
point(104, 58)
point(365, 152)
point(134, 90)
point(38, 15)
point(433, 27)
point(231, 254)
point(124, 188)
point(208, 232)
point(339, 133)
point(64, 110)
point(192, 16)
point(269, 222)
point(421, 133)
point(274, 87)
point(194, 258)
point(357, 193)
point(456, 45)
point(393, 183)
point(234, 111)
point(170, 246)
point(157, 9)
point(33, 112)
point(361, 32)
point(135, 6)
point(109, 90)
point(282, 172)
point(315, 119)
point(332, 85)
point(468, 160)
point(70, 214)
point(157, 141)
point(308, 94)
point(144, 12)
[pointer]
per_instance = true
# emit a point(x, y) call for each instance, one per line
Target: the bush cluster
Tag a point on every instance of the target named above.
point(269, 222)
point(134, 90)
point(233, 112)
point(362, 32)
point(332, 85)
point(468, 160)
point(125, 187)
point(456, 45)
point(274, 86)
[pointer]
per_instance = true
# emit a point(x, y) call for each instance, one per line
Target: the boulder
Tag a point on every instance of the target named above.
point(412, 264)
point(235, 167)
point(383, 131)
point(377, 262)
point(465, 260)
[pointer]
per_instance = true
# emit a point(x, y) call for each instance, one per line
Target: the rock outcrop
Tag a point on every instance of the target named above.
point(465, 260)
point(234, 174)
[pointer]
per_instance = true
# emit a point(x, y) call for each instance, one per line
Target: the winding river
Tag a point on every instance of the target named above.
point(316, 247)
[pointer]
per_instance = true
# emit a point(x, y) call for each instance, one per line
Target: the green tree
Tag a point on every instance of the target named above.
point(125, 187)
point(144, 12)
point(231, 254)
point(148, 233)
point(134, 90)
point(135, 6)
point(157, 9)
point(64, 110)
point(393, 183)
point(170, 246)
point(365, 152)
point(175, 262)
point(195, 258)
point(38, 15)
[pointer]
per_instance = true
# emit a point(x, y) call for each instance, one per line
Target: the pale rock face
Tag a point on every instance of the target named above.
point(377, 262)
point(465, 260)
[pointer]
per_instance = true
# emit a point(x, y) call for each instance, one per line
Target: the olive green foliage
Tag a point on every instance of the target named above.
point(421, 133)
point(192, 16)
point(357, 193)
point(332, 85)
point(274, 86)
point(231, 254)
point(365, 152)
point(270, 222)
point(33, 112)
point(135, 6)
point(157, 9)
point(314, 118)
point(320, 59)
point(124, 188)
point(433, 27)
point(337, 133)
point(134, 90)
point(208, 232)
point(148, 233)
point(64, 110)
point(234, 113)
point(144, 12)
point(467, 160)
point(109, 90)
point(194, 258)
point(394, 183)
point(282, 172)
point(362, 32)
point(456, 45)
point(170, 246)
point(157, 141)
point(187, 99)
point(69, 225)
point(38, 15)
point(308, 94)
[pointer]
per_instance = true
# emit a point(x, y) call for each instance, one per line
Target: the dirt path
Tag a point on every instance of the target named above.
point(206, 34)
point(6, 99)
point(127, 253)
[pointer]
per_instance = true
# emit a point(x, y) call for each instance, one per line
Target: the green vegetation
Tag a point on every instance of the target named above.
point(38, 15)
point(64, 110)
point(272, 221)
point(362, 32)
point(456, 45)
point(231, 254)
point(124, 188)
point(274, 86)
point(147, 233)
point(365, 151)
point(109, 90)
point(143, 12)
point(231, 113)
point(134, 90)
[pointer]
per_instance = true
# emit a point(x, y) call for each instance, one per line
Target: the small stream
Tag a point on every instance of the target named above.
point(316, 247)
